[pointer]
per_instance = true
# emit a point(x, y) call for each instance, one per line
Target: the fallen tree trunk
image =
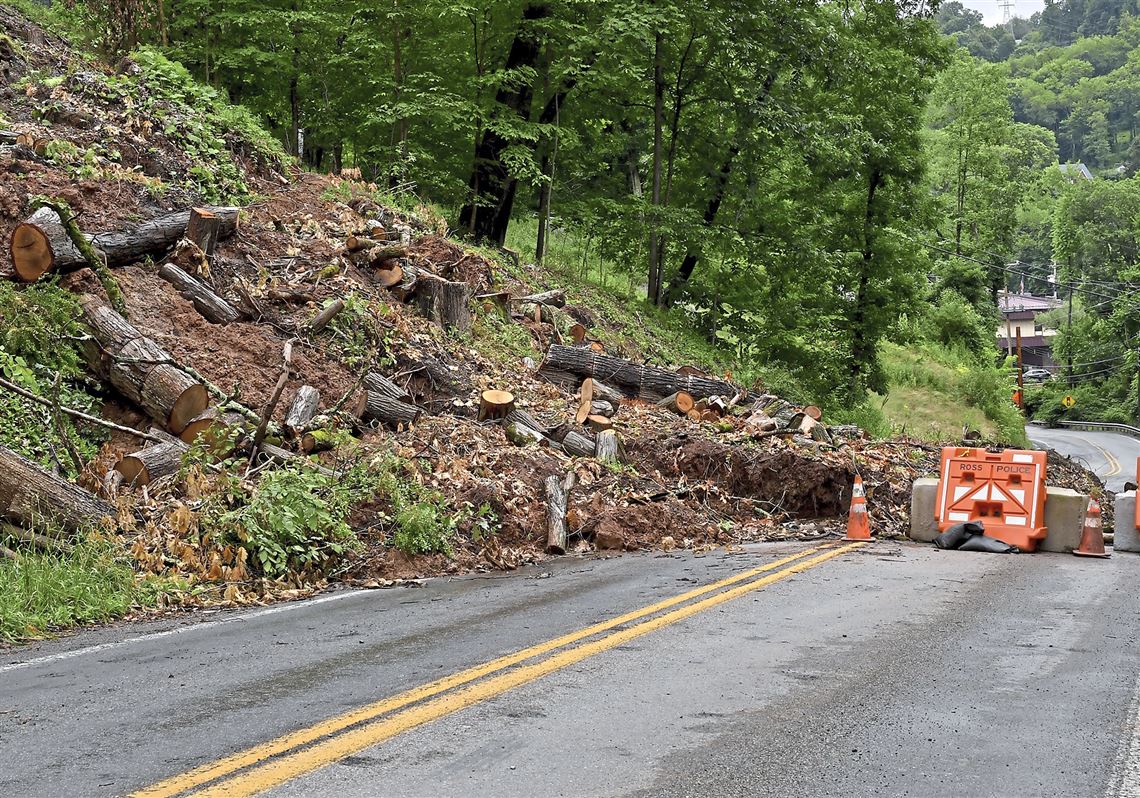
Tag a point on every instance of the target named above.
point(141, 370)
point(445, 303)
point(212, 307)
point(647, 381)
point(374, 381)
point(146, 465)
point(40, 244)
point(555, 298)
point(29, 495)
point(577, 443)
point(390, 411)
point(557, 496)
point(679, 402)
point(302, 410)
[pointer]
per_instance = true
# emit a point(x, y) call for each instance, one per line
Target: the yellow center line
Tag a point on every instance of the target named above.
point(223, 767)
point(321, 754)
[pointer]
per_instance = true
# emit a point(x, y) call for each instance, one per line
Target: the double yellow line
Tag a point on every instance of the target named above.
point(275, 762)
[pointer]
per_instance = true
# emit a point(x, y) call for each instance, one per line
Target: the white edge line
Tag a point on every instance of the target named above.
point(1125, 779)
point(81, 652)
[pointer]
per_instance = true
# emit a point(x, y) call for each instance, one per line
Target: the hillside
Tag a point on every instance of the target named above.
point(392, 497)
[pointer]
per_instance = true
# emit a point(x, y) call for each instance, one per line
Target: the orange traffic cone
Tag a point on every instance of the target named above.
point(858, 525)
point(1092, 539)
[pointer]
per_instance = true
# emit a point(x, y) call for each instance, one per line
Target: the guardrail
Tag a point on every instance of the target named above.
point(1102, 426)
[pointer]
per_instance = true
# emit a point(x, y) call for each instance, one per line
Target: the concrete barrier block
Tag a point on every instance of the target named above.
point(1125, 536)
point(923, 503)
point(1064, 519)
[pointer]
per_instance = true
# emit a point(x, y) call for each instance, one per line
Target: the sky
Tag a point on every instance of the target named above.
point(992, 11)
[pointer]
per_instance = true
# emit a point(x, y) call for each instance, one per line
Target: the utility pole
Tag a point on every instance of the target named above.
point(1069, 335)
point(1138, 383)
point(1020, 373)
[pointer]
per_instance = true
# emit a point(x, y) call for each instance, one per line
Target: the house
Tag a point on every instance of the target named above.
point(1019, 314)
point(1075, 171)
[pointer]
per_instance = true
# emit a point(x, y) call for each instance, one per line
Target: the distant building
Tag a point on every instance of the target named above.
point(1075, 171)
point(1019, 314)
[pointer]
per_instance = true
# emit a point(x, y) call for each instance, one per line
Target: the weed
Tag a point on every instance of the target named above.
point(357, 333)
point(422, 522)
point(43, 592)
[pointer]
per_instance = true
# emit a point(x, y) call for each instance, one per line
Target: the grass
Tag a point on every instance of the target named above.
point(930, 415)
point(47, 592)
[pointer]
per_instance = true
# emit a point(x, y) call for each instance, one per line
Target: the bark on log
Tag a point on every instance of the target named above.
point(557, 496)
point(42, 542)
point(577, 443)
point(374, 381)
point(39, 245)
point(608, 449)
point(390, 411)
point(445, 303)
point(495, 405)
point(555, 298)
point(203, 228)
point(30, 495)
point(318, 440)
point(325, 316)
point(646, 380)
point(146, 465)
point(600, 408)
point(302, 410)
point(522, 434)
point(212, 307)
point(141, 370)
point(679, 402)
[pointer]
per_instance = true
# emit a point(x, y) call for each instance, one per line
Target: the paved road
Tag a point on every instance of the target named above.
point(1111, 456)
point(886, 670)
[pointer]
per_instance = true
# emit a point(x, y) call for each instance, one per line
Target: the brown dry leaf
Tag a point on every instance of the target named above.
point(180, 519)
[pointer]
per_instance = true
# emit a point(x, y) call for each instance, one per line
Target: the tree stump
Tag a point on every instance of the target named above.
point(495, 405)
point(445, 303)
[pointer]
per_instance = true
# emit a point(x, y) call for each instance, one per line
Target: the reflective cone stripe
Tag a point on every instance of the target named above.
point(1092, 538)
point(858, 523)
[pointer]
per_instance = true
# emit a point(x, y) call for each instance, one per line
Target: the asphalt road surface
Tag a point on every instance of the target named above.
point(1111, 456)
point(785, 670)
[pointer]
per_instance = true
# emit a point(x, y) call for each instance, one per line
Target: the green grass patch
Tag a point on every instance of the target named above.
point(43, 593)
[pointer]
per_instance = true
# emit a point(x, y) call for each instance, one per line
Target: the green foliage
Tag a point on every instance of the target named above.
point(421, 522)
point(953, 321)
point(39, 335)
point(294, 519)
point(47, 592)
point(357, 332)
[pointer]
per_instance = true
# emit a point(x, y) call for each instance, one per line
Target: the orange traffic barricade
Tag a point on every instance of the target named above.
point(1005, 491)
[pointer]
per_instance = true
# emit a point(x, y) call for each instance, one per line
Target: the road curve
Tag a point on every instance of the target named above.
point(1111, 456)
point(888, 670)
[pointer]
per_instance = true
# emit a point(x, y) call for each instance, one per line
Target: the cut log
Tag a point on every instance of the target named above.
point(37, 245)
point(813, 412)
point(522, 434)
point(408, 284)
point(555, 298)
point(598, 423)
point(140, 369)
point(557, 496)
point(495, 405)
point(679, 402)
point(583, 413)
point(203, 229)
point(390, 276)
point(29, 496)
point(212, 307)
point(577, 443)
point(647, 380)
point(607, 447)
point(374, 381)
point(302, 410)
point(607, 394)
point(318, 440)
point(390, 411)
point(446, 303)
point(539, 314)
point(578, 333)
point(146, 465)
point(325, 316)
point(694, 415)
point(586, 392)
point(600, 408)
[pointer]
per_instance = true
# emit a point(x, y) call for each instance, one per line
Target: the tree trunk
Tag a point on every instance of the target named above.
point(380, 384)
point(212, 307)
point(390, 411)
point(555, 298)
point(30, 496)
point(140, 369)
point(557, 494)
point(492, 187)
point(861, 354)
point(645, 381)
point(325, 316)
point(445, 303)
point(203, 229)
point(608, 449)
point(148, 464)
point(655, 197)
point(39, 245)
point(301, 411)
